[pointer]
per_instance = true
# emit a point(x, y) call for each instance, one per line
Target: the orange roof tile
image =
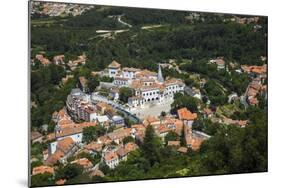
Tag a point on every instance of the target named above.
point(185, 114)
point(42, 169)
point(65, 144)
point(54, 158)
point(84, 162)
point(61, 182)
point(110, 156)
point(131, 146)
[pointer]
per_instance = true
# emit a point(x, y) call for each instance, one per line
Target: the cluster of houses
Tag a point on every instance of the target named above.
point(66, 141)
point(258, 75)
point(80, 112)
point(148, 87)
point(60, 60)
point(58, 9)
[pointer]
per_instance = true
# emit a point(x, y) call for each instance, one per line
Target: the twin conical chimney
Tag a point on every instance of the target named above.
point(159, 75)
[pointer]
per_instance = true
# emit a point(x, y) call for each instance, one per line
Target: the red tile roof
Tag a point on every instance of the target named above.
point(185, 114)
point(42, 169)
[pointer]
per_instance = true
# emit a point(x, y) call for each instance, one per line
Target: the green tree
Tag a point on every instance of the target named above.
point(93, 82)
point(182, 138)
point(89, 134)
point(151, 145)
point(163, 114)
point(69, 171)
point(45, 179)
point(92, 133)
point(190, 103)
point(171, 136)
point(128, 139)
point(125, 93)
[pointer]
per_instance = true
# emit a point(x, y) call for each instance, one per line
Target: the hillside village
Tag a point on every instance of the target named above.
point(83, 110)
point(155, 99)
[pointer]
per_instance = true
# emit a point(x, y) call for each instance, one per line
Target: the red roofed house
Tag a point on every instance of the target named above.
point(60, 150)
point(187, 116)
point(113, 68)
point(42, 169)
point(84, 162)
point(111, 159)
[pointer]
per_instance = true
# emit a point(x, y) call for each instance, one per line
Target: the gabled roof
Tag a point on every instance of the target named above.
point(54, 158)
point(110, 156)
point(114, 64)
point(84, 162)
point(35, 135)
point(42, 169)
point(65, 144)
point(185, 114)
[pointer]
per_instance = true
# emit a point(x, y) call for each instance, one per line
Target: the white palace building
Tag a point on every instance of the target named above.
point(149, 87)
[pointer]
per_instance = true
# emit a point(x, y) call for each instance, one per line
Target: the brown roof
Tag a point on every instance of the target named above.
point(182, 150)
point(119, 134)
point(173, 143)
point(104, 140)
point(131, 146)
point(70, 129)
point(110, 156)
point(65, 144)
point(146, 73)
point(35, 135)
point(114, 64)
point(121, 152)
point(94, 146)
point(185, 114)
point(42, 169)
point(54, 158)
point(60, 182)
point(84, 162)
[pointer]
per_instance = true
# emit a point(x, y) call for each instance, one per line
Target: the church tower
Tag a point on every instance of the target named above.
point(159, 75)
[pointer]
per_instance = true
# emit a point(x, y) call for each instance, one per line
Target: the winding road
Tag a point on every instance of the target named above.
point(122, 22)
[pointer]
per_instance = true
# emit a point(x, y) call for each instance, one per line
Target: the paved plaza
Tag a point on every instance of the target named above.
point(153, 109)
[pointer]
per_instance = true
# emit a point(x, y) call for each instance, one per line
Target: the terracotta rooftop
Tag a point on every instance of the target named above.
point(131, 146)
point(114, 64)
point(110, 156)
point(73, 128)
point(84, 162)
point(54, 158)
point(119, 134)
point(185, 114)
point(60, 182)
point(42, 169)
point(94, 146)
point(65, 144)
